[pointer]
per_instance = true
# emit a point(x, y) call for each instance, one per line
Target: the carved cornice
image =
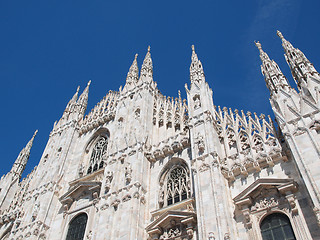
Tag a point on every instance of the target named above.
point(167, 147)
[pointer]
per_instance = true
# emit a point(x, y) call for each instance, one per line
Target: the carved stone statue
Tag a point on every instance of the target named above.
point(109, 177)
point(35, 210)
point(197, 103)
point(128, 174)
point(81, 170)
point(161, 195)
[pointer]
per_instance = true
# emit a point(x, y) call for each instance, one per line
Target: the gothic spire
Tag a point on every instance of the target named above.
point(71, 104)
point(272, 74)
point(196, 69)
point(21, 161)
point(83, 100)
point(147, 68)
point(133, 74)
point(299, 65)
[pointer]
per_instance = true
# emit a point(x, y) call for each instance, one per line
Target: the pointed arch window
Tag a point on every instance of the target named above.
point(276, 226)
point(176, 186)
point(77, 227)
point(98, 151)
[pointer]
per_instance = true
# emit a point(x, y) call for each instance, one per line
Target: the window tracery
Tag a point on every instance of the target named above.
point(176, 186)
point(98, 151)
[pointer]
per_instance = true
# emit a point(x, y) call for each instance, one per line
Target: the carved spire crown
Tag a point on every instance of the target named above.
point(270, 70)
point(299, 65)
point(133, 74)
point(147, 67)
point(196, 69)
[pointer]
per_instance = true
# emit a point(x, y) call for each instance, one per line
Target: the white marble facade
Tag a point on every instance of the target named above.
point(142, 165)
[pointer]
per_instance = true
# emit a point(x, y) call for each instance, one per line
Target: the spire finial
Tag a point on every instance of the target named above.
point(78, 88)
point(35, 133)
point(258, 44)
point(262, 53)
point(89, 83)
point(136, 56)
point(149, 48)
point(192, 47)
point(280, 35)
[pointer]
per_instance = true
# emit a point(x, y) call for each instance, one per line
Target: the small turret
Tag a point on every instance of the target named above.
point(301, 67)
point(273, 76)
point(21, 161)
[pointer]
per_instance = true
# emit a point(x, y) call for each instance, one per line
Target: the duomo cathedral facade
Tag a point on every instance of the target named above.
point(141, 165)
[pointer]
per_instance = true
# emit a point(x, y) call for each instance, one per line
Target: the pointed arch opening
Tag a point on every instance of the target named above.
point(175, 183)
point(77, 227)
point(276, 226)
point(99, 149)
point(96, 150)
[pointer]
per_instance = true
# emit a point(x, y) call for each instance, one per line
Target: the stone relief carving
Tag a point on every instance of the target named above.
point(265, 203)
point(172, 232)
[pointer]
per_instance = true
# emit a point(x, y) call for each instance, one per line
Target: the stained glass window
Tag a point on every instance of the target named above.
point(277, 227)
point(177, 186)
point(99, 149)
point(77, 227)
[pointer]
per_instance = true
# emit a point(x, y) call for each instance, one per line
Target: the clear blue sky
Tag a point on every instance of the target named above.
point(48, 48)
